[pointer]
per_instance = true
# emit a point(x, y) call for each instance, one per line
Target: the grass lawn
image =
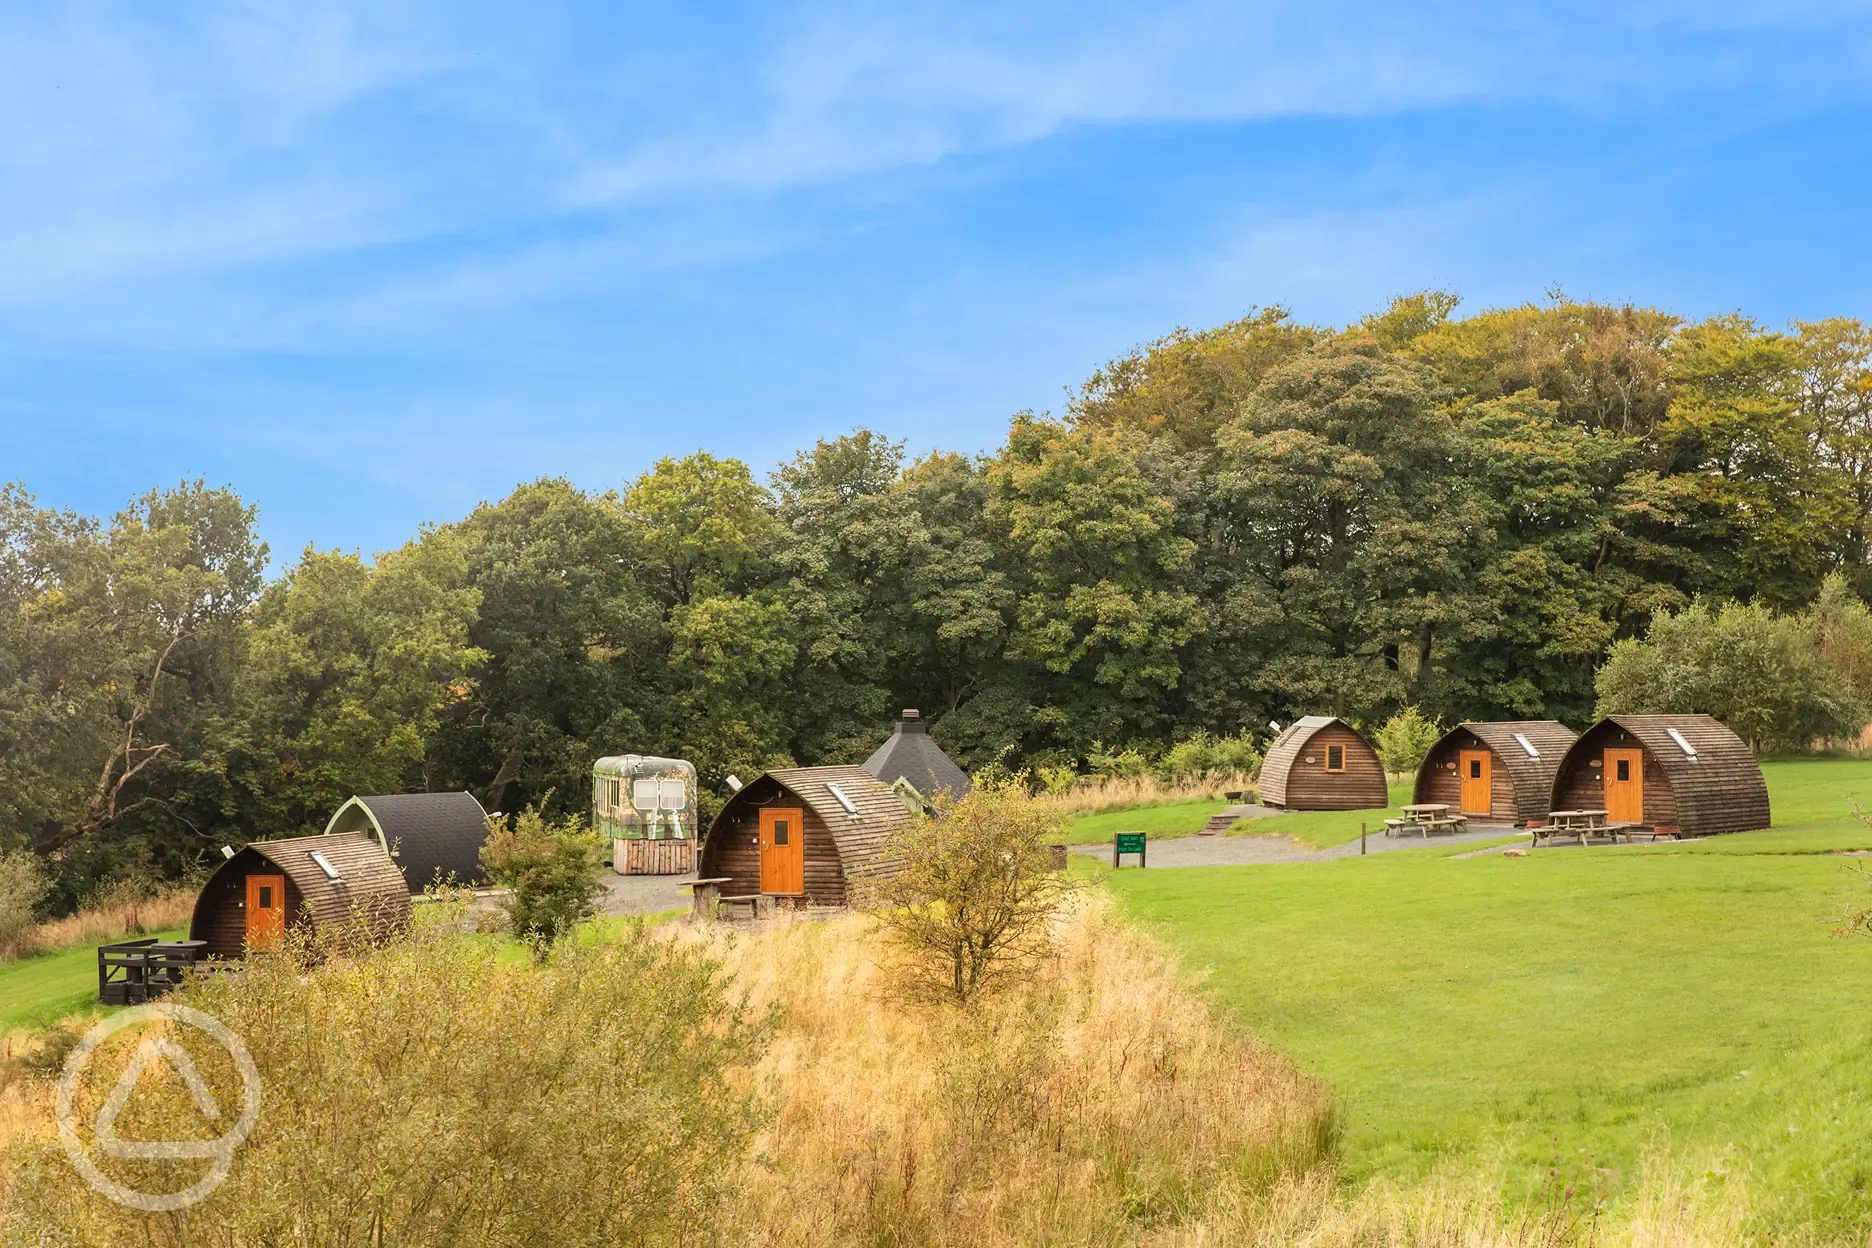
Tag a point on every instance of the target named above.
point(1323, 829)
point(1169, 819)
point(40, 990)
point(1573, 1009)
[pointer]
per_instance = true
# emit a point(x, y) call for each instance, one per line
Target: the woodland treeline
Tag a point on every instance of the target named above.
point(1225, 527)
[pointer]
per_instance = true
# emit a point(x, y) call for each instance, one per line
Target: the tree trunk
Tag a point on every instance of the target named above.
point(508, 773)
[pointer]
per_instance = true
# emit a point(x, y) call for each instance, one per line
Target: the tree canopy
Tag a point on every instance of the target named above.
point(1467, 516)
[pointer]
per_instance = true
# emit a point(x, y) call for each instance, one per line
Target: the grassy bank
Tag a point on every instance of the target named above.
point(1574, 1010)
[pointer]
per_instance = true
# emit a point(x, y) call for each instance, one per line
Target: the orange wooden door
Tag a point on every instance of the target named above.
point(1624, 786)
point(266, 910)
point(1478, 793)
point(782, 850)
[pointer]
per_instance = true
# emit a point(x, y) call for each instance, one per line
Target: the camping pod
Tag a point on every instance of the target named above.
point(1679, 775)
point(803, 833)
point(435, 838)
point(1322, 763)
point(1500, 771)
point(912, 756)
point(344, 883)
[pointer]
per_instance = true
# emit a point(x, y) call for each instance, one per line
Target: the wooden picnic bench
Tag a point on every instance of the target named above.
point(1426, 819)
point(132, 972)
point(1587, 826)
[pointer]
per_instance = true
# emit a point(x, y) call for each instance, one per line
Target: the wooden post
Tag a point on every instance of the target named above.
point(1361, 838)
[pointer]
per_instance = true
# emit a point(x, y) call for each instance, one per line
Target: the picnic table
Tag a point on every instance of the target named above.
point(132, 972)
point(1584, 824)
point(1426, 818)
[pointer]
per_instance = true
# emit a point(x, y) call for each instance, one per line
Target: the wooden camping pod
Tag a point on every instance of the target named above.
point(835, 845)
point(363, 886)
point(1500, 770)
point(1299, 771)
point(1692, 775)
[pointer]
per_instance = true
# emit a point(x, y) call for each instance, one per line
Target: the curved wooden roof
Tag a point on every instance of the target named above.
point(1718, 789)
point(368, 883)
point(1532, 774)
point(860, 837)
point(432, 836)
point(1280, 756)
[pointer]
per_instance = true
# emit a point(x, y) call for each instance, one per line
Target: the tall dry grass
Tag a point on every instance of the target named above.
point(1101, 1104)
point(105, 921)
point(1092, 794)
point(1092, 1104)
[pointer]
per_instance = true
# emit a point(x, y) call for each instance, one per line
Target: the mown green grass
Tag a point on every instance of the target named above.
point(1323, 829)
point(40, 990)
point(1571, 1010)
point(1168, 819)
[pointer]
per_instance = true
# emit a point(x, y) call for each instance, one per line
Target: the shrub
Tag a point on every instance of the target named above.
point(431, 1094)
point(1122, 763)
point(972, 900)
point(22, 887)
point(1405, 738)
point(552, 870)
point(1204, 754)
point(1764, 675)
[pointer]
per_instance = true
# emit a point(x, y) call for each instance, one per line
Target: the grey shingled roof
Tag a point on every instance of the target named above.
point(912, 755)
point(432, 836)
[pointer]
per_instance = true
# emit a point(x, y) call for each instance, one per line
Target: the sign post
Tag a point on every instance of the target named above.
point(1128, 843)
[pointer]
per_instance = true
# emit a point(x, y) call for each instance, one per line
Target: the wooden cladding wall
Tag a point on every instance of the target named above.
point(221, 910)
point(1581, 786)
point(733, 846)
point(840, 845)
point(1520, 784)
point(641, 857)
point(1440, 778)
point(1719, 789)
point(1294, 773)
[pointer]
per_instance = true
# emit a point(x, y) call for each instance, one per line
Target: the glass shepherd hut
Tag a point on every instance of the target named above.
point(647, 807)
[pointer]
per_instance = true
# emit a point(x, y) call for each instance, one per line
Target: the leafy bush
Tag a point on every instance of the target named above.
point(1125, 763)
point(552, 870)
point(972, 899)
point(22, 887)
point(430, 1094)
point(1765, 675)
point(1405, 738)
point(1204, 754)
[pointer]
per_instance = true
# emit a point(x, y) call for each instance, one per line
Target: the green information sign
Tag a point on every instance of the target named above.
point(1128, 843)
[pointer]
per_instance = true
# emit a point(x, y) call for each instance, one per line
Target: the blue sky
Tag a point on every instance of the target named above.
point(373, 263)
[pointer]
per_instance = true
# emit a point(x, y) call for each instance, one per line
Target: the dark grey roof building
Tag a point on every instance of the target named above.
point(432, 837)
point(911, 755)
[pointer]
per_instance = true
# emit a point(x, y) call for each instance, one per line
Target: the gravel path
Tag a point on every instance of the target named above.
point(643, 894)
point(1233, 851)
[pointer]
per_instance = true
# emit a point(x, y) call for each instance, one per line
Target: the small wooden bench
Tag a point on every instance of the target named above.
point(705, 893)
point(760, 905)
